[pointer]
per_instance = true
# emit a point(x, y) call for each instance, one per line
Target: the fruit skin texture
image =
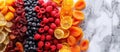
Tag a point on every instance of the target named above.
point(37, 36)
point(75, 48)
point(80, 5)
point(71, 40)
point(40, 44)
point(75, 31)
point(84, 44)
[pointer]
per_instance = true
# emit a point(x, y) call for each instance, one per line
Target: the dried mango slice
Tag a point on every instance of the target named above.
point(78, 15)
point(80, 5)
point(2, 37)
point(66, 22)
point(59, 33)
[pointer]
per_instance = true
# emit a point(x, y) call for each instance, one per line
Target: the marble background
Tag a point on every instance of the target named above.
point(102, 25)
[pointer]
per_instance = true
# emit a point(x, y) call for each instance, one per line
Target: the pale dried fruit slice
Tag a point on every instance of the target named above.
point(59, 33)
point(65, 48)
point(3, 23)
point(2, 17)
point(2, 37)
point(6, 41)
point(66, 22)
point(2, 47)
point(1, 28)
point(9, 24)
point(7, 29)
point(5, 32)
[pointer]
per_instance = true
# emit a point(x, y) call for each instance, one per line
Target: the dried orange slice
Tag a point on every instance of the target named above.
point(59, 33)
point(78, 15)
point(80, 5)
point(84, 44)
point(66, 22)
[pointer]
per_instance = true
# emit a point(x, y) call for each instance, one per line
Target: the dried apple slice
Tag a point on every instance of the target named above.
point(2, 37)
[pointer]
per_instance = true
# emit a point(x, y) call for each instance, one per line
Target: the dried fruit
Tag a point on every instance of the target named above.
point(84, 44)
point(75, 48)
point(9, 16)
point(71, 40)
point(37, 36)
point(80, 5)
point(11, 9)
point(4, 11)
point(19, 46)
point(78, 15)
point(59, 33)
point(2, 37)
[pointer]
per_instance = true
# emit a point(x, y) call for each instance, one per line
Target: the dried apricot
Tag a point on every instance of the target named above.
point(75, 31)
point(78, 15)
point(75, 48)
point(4, 11)
point(71, 40)
point(80, 5)
point(84, 44)
point(11, 9)
point(9, 16)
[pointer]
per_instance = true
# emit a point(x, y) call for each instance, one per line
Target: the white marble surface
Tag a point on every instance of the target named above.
point(102, 25)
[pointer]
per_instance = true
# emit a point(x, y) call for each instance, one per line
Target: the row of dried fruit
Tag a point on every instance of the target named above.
point(53, 30)
point(69, 31)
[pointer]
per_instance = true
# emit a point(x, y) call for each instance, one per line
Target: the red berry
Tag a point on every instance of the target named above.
point(51, 19)
point(42, 24)
point(54, 4)
point(42, 37)
point(37, 8)
point(45, 20)
point(55, 41)
point(57, 15)
point(53, 48)
point(40, 44)
point(57, 21)
point(59, 46)
point(46, 28)
point(47, 44)
point(40, 2)
point(44, 5)
point(41, 30)
point(42, 10)
point(49, 8)
point(53, 13)
point(37, 36)
point(53, 26)
point(39, 15)
point(50, 31)
point(49, 3)
point(48, 37)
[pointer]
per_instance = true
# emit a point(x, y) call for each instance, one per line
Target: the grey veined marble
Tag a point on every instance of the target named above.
point(102, 25)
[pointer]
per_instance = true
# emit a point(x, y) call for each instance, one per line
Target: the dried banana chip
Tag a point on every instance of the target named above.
point(7, 29)
point(9, 24)
point(3, 23)
point(2, 37)
point(6, 41)
point(2, 17)
point(1, 28)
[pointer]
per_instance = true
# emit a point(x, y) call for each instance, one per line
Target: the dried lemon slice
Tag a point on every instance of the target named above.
point(6, 41)
point(59, 33)
point(66, 22)
point(2, 37)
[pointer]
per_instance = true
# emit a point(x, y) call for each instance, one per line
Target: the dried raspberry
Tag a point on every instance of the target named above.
point(53, 13)
point(55, 41)
point(41, 30)
point(50, 31)
point(42, 24)
point(37, 8)
point(42, 10)
point(47, 44)
point(49, 8)
point(45, 20)
point(40, 44)
point(48, 37)
point(42, 37)
point(53, 26)
point(51, 19)
point(54, 4)
point(57, 21)
point(53, 48)
point(40, 2)
point(59, 46)
point(46, 28)
point(39, 15)
point(37, 36)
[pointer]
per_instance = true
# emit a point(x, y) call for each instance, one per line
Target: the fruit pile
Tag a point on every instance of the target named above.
point(42, 26)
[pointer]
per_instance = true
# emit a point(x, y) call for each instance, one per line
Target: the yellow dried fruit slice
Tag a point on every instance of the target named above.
point(6, 41)
point(66, 33)
point(66, 22)
point(1, 28)
point(7, 29)
point(2, 37)
point(3, 23)
point(9, 24)
point(59, 33)
point(65, 48)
